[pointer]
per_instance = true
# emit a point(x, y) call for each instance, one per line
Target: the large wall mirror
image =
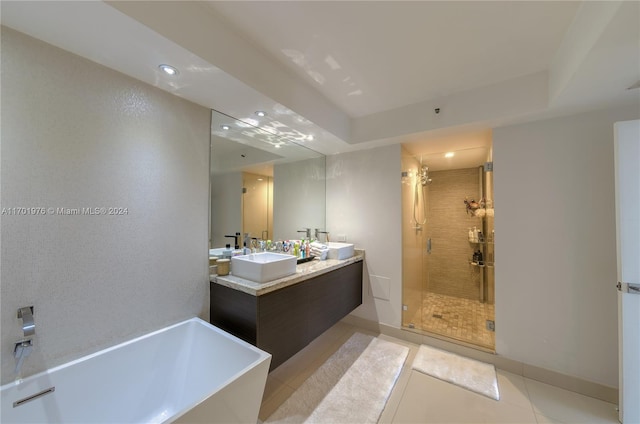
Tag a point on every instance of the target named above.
point(262, 184)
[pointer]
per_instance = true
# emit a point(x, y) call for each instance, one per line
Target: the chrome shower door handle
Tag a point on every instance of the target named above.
point(429, 245)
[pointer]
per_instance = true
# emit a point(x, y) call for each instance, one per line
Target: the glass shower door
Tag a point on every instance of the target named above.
point(413, 242)
point(457, 287)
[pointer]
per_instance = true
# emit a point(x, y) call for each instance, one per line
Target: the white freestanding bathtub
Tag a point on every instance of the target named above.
point(189, 372)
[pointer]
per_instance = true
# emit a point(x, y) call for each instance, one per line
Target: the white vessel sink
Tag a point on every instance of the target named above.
point(263, 267)
point(339, 250)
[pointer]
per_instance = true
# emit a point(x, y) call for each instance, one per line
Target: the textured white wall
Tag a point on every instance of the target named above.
point(555, 244)
point(364, 203)
point(74, 135)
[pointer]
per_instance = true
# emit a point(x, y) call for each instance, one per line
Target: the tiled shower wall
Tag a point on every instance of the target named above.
point(448, 225)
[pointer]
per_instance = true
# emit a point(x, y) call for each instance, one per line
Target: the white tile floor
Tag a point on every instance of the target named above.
point(418, 398)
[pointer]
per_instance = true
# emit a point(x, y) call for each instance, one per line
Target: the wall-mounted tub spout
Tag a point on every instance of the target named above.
point(21, 350)
point(28, 325)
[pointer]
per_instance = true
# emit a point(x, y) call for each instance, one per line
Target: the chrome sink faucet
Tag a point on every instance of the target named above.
point(326, 233)
point(307, 231)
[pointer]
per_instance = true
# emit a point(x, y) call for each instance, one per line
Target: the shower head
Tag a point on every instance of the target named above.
point(424, 176)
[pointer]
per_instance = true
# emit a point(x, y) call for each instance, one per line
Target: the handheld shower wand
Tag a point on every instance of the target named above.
point(422, 180)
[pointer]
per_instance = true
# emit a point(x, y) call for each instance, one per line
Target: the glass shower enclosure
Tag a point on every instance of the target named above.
point(448, 246)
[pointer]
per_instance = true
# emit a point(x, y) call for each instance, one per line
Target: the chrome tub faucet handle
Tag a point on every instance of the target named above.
point(28, 325)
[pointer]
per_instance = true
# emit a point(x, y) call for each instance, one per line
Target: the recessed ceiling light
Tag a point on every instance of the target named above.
point(168, 69)
point(225, 127)
point(277, 146)
point(310, 137)
point(449, 155)
point(261, 113)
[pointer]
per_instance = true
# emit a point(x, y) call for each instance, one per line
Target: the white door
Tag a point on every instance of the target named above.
point(627, 156)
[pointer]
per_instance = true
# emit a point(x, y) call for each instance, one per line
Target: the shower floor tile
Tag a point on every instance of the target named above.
point(457, 318)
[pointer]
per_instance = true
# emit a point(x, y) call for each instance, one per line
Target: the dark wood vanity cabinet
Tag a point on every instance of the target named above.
point(286, 320)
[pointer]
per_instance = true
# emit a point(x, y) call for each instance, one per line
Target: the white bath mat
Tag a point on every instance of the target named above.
point(352, 386)
point(473, 375)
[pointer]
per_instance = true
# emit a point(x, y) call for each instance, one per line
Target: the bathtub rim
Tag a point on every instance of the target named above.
point(262, 356)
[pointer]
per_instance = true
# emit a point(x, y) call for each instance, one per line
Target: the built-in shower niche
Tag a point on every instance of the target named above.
point(446, 290)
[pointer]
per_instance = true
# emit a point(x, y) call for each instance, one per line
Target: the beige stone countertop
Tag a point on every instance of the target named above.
point(304, 272)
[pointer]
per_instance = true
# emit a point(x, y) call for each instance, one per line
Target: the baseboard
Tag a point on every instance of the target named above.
point(575, 384)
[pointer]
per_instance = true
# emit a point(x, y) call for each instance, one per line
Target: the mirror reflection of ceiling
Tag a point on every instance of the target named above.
point(238, 145)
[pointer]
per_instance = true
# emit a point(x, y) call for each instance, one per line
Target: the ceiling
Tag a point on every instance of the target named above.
point(368, 57)
point(343, 76)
